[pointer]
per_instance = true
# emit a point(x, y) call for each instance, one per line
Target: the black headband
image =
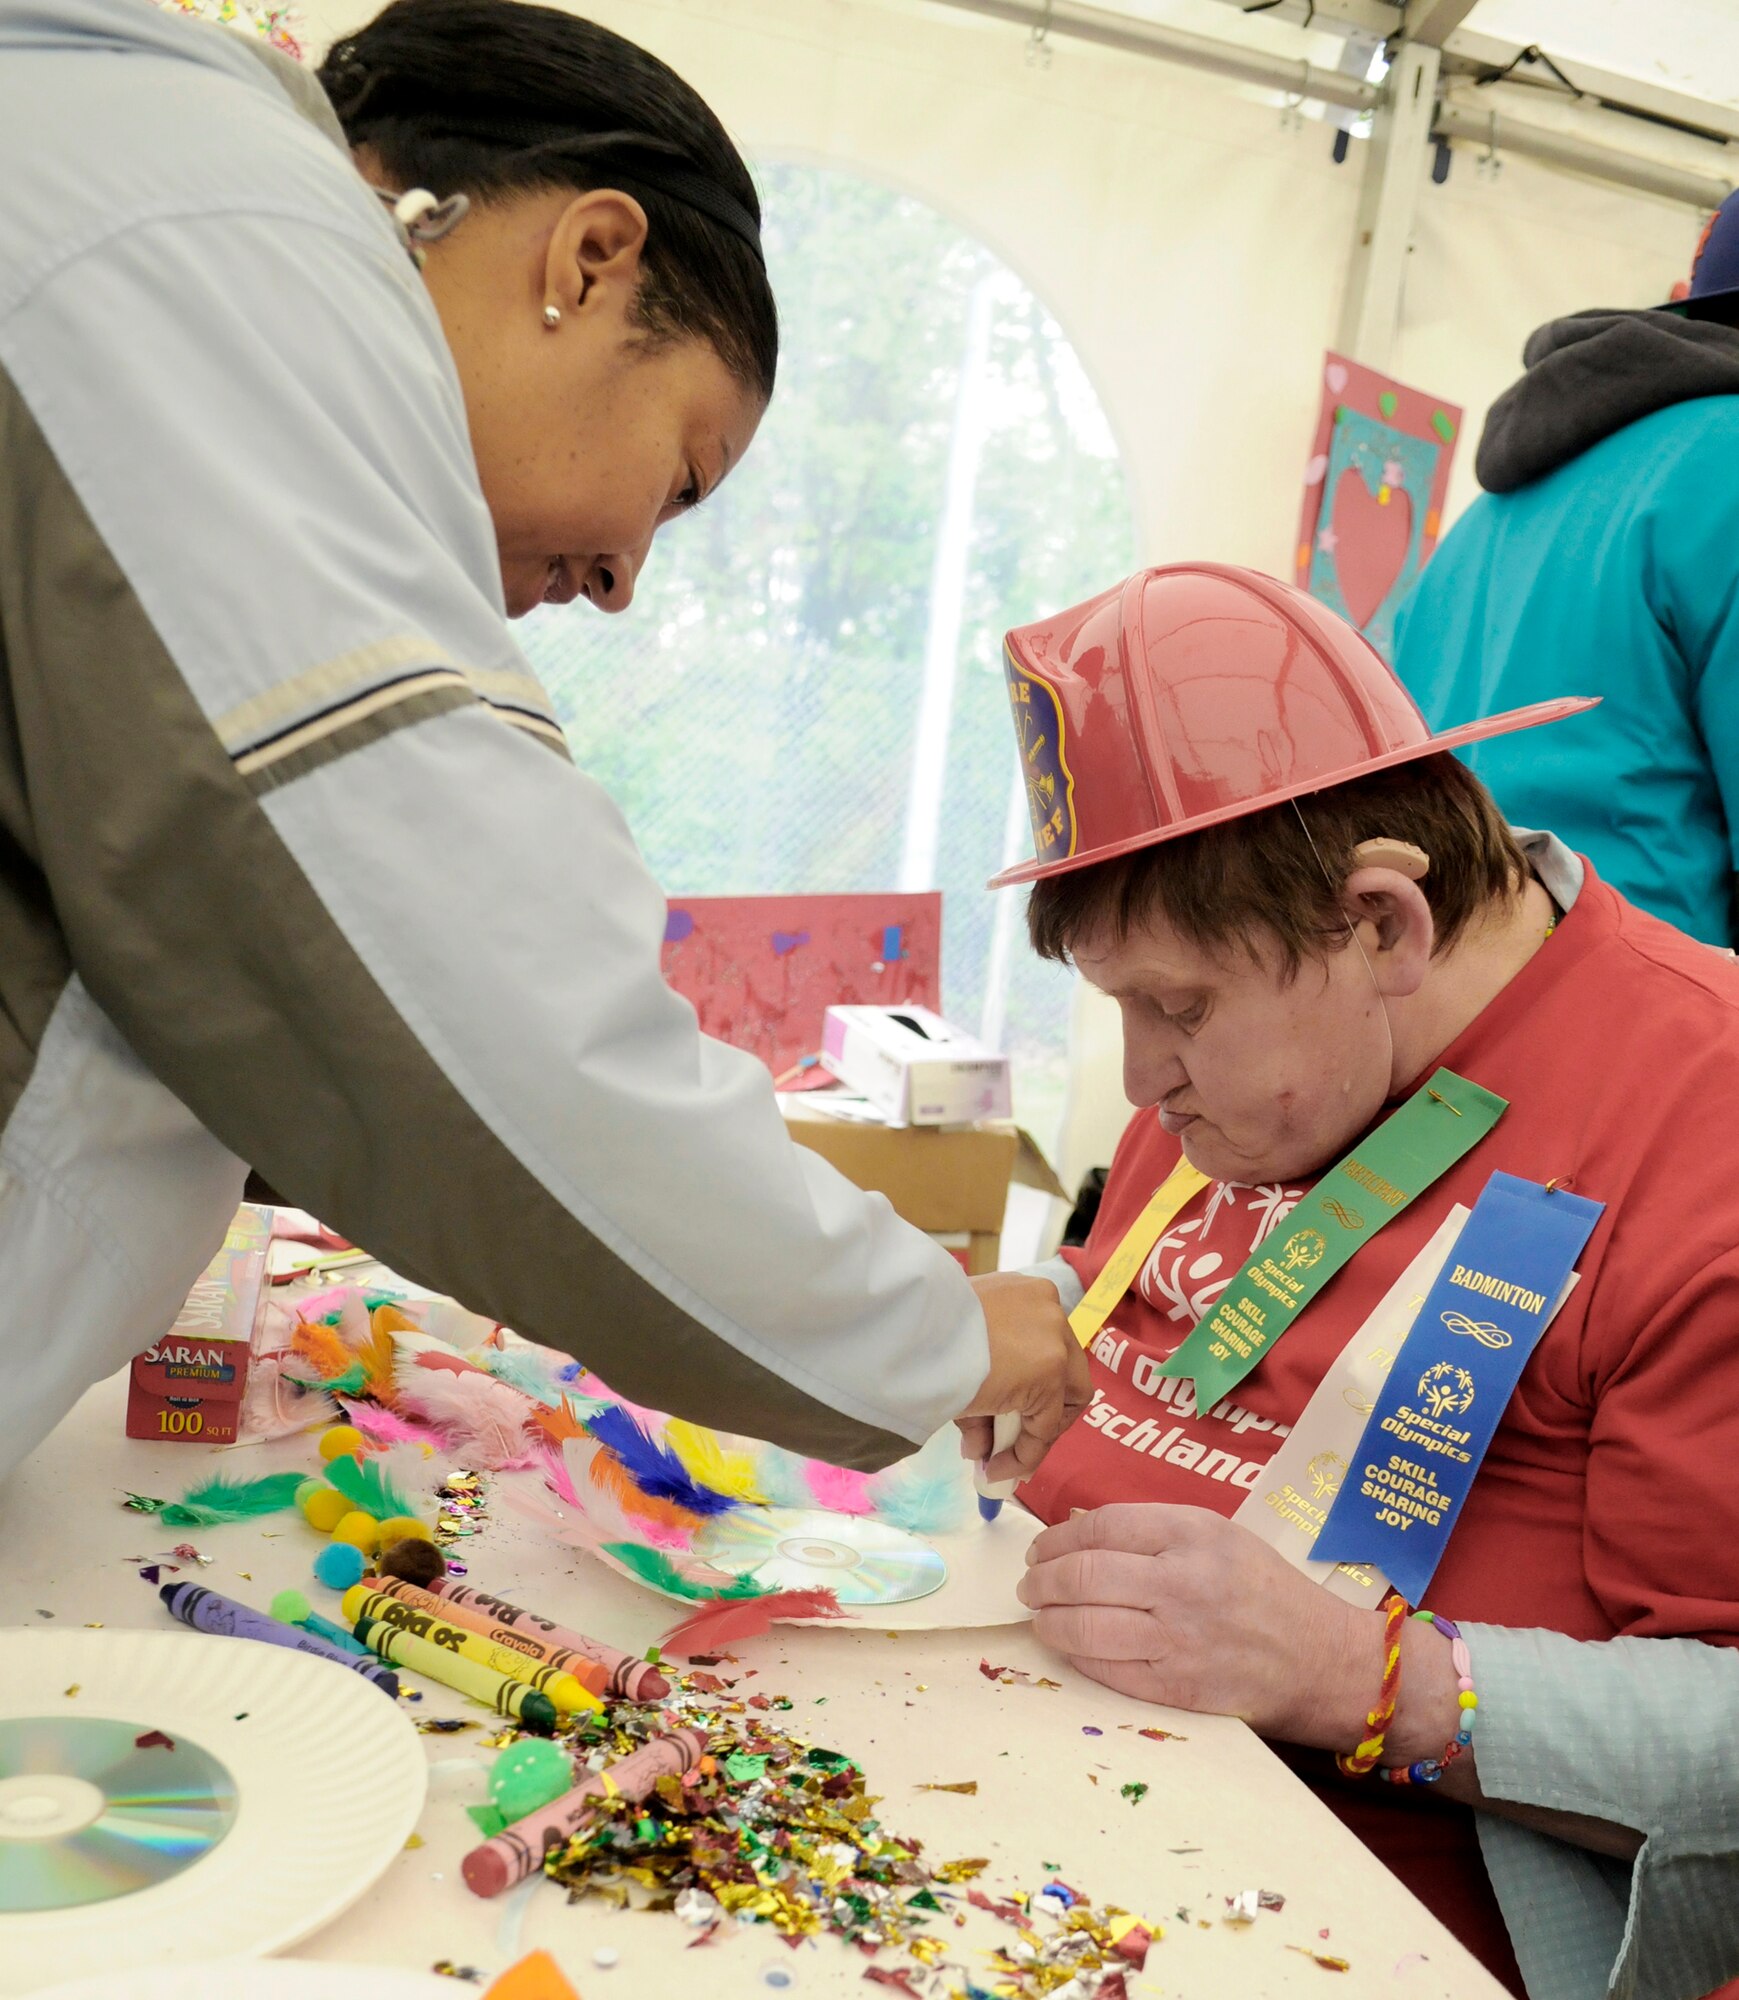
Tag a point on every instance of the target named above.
point(631, 154)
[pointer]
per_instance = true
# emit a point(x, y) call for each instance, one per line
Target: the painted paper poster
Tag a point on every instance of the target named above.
point(1373, 494)
point(762, 971)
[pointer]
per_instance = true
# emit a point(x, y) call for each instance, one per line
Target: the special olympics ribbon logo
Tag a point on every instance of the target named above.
point(1327, 1469)
point(1481, 1330)
point(1348, 1218)
point(1302, 1250)
point(1445, 1390)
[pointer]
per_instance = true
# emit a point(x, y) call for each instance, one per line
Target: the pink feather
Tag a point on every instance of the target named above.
point(839, 1490)
point(384, 1427)
point(555, 1472)
point(715, 1626)
point(484, 1420)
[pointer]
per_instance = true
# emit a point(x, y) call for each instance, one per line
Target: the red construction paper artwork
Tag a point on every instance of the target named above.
point(762, 971)
point(1373, 494)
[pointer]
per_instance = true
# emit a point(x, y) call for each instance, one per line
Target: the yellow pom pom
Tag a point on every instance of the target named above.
point(361, 1531)
point(341, 1441)
point(403, 1529)
point(324, 1508)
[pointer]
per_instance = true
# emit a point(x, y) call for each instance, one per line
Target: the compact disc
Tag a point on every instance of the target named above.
point(92, 1809)
point(786, 1548)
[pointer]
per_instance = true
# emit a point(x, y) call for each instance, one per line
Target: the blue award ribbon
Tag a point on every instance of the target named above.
point(1450, 1384)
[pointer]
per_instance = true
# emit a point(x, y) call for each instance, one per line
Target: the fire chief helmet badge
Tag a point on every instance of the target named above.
point(1195, 694)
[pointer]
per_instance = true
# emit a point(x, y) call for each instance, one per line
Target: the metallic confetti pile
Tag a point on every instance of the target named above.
point(773, 1830)
point(462, 1503)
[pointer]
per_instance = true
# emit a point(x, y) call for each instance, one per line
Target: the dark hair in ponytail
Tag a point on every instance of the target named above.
point(497, 97)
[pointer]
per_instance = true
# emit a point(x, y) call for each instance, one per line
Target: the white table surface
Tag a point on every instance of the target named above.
point(1221, 1815)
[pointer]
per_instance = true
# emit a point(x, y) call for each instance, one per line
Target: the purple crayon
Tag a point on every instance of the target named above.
point(207, 1611)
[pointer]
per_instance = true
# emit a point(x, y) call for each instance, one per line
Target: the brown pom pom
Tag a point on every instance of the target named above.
point(413, 1561)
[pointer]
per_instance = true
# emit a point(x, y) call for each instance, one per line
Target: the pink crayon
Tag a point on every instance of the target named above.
point(631, 1678)
point(511, 1856)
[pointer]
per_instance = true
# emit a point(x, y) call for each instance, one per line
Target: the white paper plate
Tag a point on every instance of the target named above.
point(255, 1979)
point(330, 1777)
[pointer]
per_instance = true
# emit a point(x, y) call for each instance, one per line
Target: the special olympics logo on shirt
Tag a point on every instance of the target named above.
point(1303, 1249)
point(1446, 1391)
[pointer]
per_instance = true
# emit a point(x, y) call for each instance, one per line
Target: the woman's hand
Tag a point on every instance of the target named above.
point(1180, 1606)
point(1037, 1372)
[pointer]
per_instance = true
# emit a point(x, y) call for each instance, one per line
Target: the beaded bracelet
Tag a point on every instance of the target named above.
point(1429, 1769)
point(1370, 1748)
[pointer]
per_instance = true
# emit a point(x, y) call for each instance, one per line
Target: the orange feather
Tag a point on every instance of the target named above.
point(319, 1345)
point(608, 1471)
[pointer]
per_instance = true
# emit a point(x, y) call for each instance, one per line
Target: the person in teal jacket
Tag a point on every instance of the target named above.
point(1603, 558)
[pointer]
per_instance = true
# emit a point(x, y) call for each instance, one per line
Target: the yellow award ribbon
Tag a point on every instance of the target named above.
point(1180, 1186)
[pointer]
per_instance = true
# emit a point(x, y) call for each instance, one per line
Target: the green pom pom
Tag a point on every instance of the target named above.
point(308, 1486)
point(291, 1606)
point(527, 1775)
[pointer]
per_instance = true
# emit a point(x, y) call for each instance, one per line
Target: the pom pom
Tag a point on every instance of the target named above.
point(309, 1486)
point(338, 1566)
point(360, 1530)
point(291, 1606)
point(341, 1441)
point(403, 1528)
point(415, 1562)
point(529, 1774)
point(324, 1508)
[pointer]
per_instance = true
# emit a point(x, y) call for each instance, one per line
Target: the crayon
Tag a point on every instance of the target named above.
point(631, 1678)
point(421, 1656)
point(206, 1611)
point(333, 1634)
point(568, 1694)
point(519, 1851)
point(585, 1668)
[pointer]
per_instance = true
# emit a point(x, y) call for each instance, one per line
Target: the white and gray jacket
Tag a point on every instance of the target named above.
point(294, 867)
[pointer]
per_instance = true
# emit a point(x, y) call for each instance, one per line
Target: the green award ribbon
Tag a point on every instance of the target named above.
point(1412, 1147)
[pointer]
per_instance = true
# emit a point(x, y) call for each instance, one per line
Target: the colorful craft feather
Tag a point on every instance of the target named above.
point(275, 1407)
point(322, 1348)
point(531, 1370)
point(561, 1423)
point(930, 1493)
point(557, 1477)
point(484, 1421)
point(838, 1489)
point(367, 1486)
point(383, 1427)
point(707, 1461)
point(693, 1580)
point(216, 1500)
point(609, 1475)
point(729, 1619)
point(658, 1472)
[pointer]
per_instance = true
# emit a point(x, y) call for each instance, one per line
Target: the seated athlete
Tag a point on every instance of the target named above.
point(1329, 948)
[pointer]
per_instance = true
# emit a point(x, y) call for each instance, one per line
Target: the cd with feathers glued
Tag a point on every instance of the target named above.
point(785, 1548)
point(95, 1809)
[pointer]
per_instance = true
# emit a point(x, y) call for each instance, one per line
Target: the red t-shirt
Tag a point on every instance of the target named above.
point(1606, 1504)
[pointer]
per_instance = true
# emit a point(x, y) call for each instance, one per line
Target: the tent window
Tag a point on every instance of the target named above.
point(807, 693)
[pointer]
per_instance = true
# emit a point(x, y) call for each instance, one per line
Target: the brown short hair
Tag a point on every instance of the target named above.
point(1261, 878)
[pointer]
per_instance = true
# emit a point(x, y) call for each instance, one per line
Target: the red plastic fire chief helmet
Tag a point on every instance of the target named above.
point(1195, 694)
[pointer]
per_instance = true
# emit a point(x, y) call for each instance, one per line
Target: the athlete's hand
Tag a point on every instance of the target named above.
point(1037, 1371)
point(1181, 1606)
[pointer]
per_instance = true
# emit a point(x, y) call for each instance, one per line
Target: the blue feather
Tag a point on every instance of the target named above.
point(652, 1466)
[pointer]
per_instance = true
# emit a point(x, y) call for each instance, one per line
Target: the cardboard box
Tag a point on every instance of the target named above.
point(913, 1067)
point(187, 1388)
point(951, 1184)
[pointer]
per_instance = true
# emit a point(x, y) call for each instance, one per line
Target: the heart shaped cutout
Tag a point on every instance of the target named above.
point(1335, 375)
point(1371, 539)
